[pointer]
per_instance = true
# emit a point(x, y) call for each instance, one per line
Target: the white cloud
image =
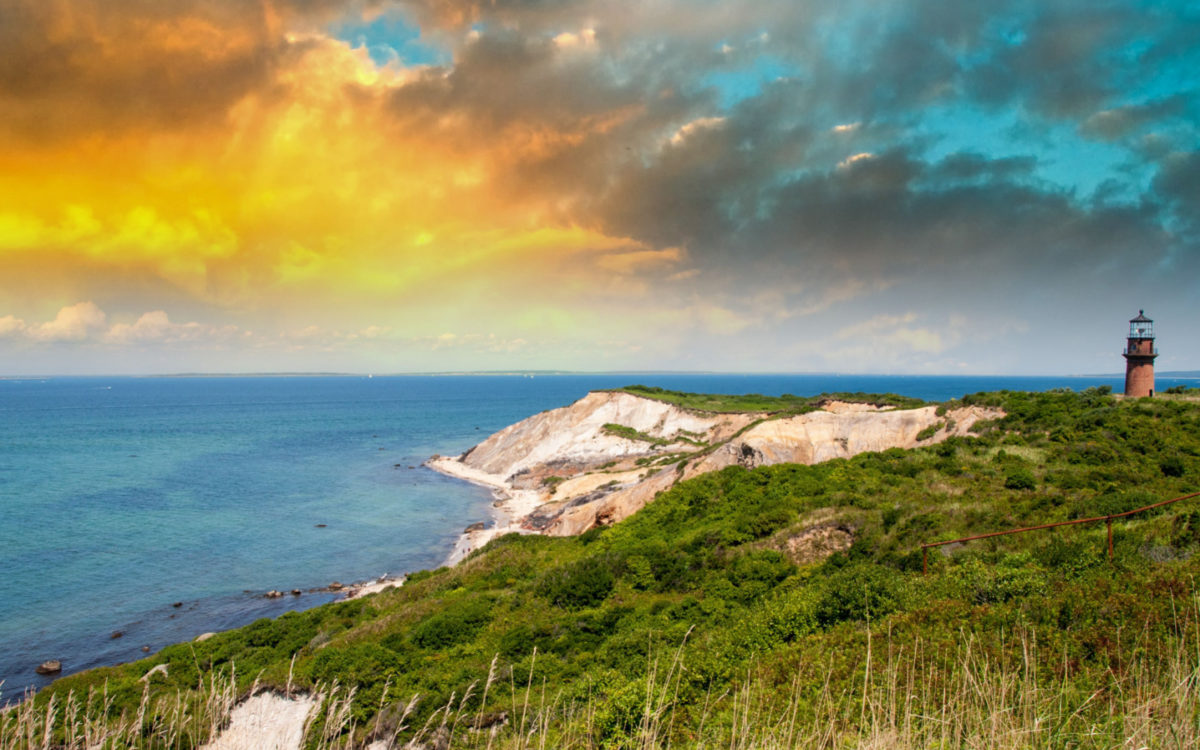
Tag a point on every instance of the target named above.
point(855, 158)
point(152, 326)
point(585, 37)
point(374, 332)
point(156, 327)
point(11, 327)
point(86, 322)
point(640, 261)
point(896, 335)
point(695, 126)
point(848, 127)
point(684, 275)
point(74, 323)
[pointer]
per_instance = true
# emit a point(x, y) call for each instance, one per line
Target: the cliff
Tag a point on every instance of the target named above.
point(604, 457)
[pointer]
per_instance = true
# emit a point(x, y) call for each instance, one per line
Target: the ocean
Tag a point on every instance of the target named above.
point(122, 496)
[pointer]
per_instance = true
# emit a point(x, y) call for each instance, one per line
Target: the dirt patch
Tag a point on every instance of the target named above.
point(819, 542)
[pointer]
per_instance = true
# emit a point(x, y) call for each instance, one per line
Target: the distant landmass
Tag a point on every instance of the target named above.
point(1163, 374)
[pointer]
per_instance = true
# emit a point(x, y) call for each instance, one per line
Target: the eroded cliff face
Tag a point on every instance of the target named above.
point(605, 456)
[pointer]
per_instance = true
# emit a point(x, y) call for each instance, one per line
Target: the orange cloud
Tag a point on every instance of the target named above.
point(234, 155)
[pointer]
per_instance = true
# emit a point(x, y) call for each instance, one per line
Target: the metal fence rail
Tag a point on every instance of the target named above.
point(1107, 519)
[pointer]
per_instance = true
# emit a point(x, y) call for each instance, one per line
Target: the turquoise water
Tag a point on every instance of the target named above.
point(121, 496)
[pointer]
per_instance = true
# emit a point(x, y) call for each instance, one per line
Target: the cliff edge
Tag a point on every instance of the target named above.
point(604, 457)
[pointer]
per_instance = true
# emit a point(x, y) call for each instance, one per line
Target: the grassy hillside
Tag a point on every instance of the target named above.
point(712, 617)
point(786, 404)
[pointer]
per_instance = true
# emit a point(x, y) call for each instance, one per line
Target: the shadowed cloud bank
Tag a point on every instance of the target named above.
point(595, 185)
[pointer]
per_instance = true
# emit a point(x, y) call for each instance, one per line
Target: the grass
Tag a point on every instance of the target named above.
point(690, 624)
point(903, 695)
point(629, 433)
point(94, 721)
point(786, 404)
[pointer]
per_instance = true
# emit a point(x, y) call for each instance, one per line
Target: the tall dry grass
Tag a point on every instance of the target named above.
point(902, 696)
point(182, 719)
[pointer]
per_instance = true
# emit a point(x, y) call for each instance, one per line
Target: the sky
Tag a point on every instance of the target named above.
point(392, 186)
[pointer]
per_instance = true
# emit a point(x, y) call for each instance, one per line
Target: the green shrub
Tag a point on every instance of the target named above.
point(1114, 502)
point(981, 583)
point(455, 625)
point(859, 592)
point(1171, 466)
point(1020, 479)
point(638, 572)
point(584, 583)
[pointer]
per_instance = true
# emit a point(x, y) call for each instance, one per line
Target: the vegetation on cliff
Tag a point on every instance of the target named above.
point(785, 405)
point(715, 615)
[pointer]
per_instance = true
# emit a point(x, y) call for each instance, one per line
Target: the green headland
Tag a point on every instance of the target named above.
point(783, 606)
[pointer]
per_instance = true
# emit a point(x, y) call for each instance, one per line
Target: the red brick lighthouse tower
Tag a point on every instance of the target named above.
point(1139, 357)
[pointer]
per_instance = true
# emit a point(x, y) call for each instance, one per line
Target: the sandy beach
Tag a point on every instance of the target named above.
point(510, 508)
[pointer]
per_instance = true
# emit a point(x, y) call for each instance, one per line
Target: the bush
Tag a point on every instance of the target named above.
point(1171, 466)
point(1020, 479)
point(983, 584)
point(638, 572)
point(453, 626)
point(581, 584)
point(859, 592)
point(1114, 502)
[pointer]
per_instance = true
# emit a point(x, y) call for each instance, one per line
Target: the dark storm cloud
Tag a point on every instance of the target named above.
point(771, 189)
point(1118, 122)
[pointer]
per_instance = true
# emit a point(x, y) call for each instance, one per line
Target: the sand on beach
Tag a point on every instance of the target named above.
point(512, 506)
point(355, 590)
point(265, 721)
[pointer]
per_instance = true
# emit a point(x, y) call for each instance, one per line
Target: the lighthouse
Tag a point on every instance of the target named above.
point(1139, 357)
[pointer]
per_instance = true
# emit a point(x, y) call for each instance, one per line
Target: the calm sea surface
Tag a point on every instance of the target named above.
point(122, 496)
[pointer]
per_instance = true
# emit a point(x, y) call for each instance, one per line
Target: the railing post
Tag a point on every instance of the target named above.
point(1110, 551)
point(924, 561)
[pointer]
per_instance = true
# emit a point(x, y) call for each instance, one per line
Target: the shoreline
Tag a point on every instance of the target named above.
point(509, 508)
point(506, 512)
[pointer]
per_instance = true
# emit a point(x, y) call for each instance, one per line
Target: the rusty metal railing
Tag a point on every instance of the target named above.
point(1107, 519)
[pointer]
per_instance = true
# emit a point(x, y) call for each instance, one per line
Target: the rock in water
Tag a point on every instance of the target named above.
point(54, 666)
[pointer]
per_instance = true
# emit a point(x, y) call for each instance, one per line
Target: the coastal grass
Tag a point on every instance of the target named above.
point(905, 695)
point(787, 404)
point(708, 618)
point(629, 433)
point(95, 721)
